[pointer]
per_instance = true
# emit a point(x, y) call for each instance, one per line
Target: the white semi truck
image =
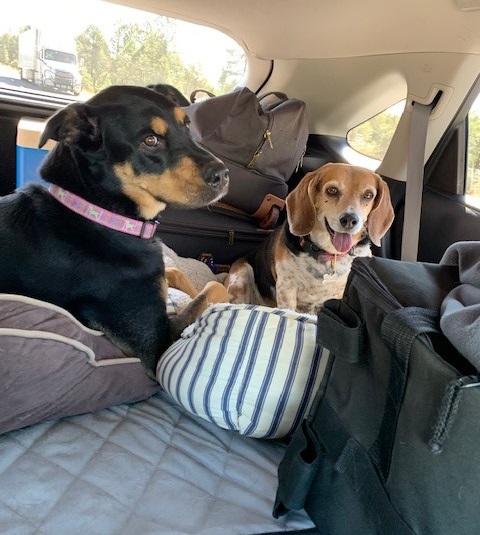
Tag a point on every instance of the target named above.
point(52, 63)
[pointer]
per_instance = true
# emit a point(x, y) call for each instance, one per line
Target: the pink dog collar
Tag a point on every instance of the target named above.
point(127, 225)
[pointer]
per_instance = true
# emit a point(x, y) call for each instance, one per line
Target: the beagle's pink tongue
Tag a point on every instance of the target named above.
point(342, 241)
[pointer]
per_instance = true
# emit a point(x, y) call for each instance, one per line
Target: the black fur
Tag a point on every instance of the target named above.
point(107, 279)
point(261, 260)
point(171, 92)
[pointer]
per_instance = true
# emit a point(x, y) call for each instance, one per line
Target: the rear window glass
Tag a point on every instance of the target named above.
point(372, 137)
point(100, 44)
point(472, 186)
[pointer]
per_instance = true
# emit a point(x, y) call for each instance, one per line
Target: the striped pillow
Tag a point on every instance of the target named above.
point(248, 368)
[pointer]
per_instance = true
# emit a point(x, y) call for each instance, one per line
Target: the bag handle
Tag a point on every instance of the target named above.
point(399, 329)
point(194, 93)
point(341, 331)
point(278, 94)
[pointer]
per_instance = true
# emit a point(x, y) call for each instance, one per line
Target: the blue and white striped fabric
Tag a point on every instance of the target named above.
point(248, 368)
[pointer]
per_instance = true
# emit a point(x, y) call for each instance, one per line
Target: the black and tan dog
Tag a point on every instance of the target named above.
point(332, 215)
point(87, 242)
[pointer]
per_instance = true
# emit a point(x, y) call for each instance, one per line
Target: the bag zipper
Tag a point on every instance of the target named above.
point(267, 137)
point(300, 161)
point(230, 235)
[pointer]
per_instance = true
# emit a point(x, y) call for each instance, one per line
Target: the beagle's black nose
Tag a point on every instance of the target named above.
point(348, 220)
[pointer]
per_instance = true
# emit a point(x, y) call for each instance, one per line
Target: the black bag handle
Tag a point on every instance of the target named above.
point(340, 330)
point(399, 329)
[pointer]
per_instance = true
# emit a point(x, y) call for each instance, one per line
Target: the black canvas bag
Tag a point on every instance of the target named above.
point(222, 235)
point(261, 140)
point(391, 444)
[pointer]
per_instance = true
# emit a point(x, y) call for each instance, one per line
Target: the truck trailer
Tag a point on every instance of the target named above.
point(51, 63)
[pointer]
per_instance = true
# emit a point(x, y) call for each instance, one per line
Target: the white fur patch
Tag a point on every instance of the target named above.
point(300, 282)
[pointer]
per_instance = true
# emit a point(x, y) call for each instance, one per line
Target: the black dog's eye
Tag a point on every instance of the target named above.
point(152, 141)
point(332, 191)
point(368, 195)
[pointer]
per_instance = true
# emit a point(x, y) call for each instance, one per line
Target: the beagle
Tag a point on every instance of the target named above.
point(332, 216)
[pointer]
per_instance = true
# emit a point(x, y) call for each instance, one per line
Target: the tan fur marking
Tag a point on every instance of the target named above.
point(137, 189)
point(183, 185)
point(159, 126)
point(176, 278)
point(163, 287)
point(282, 253)
point(214, 292)
point(179, 115)
point(180, 184)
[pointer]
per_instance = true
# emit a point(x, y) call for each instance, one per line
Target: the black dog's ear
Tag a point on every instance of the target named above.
point(171, 93)
point(73, 124)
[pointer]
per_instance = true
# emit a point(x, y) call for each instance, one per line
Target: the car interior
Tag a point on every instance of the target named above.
point(150, 465)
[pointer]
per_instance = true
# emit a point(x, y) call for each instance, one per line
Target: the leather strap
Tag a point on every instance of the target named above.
point(265, 207)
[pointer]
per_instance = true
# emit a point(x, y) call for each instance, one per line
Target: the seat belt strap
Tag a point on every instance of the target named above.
point(414, 186)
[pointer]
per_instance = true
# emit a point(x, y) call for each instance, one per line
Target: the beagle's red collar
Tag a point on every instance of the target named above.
point(307, 246)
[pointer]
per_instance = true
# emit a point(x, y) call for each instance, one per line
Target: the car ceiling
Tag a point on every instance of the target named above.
point(351, 59)
point(281, 29)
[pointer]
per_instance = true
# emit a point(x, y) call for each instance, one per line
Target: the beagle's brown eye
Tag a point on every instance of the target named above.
point(332, 191)
point(368, 195)
point(151, 140)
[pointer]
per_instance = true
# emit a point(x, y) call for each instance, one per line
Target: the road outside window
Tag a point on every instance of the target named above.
point(102, 44)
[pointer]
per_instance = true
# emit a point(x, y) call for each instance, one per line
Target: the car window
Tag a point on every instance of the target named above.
point(119, 46)
point(371, 138)
point(472, 182)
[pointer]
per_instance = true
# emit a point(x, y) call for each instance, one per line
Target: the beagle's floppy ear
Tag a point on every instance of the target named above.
point(301, 212)
point(73, 124)
point(381, 217)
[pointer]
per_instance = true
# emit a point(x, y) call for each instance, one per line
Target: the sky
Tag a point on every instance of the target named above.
point(76, 15)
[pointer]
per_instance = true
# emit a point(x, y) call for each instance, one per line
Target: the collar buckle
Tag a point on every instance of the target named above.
point(148, 229)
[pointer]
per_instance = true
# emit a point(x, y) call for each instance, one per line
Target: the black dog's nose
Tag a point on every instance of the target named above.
point(216, 175)
point(348, 220)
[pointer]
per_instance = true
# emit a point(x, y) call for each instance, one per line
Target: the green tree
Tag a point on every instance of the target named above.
point(473, 155)
point(95, 55)
point(123, 47)
point(138, 54)
point(142, 55)
point(190, 78)
point(373, 136)
point(232, 71)
point(9, 49)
